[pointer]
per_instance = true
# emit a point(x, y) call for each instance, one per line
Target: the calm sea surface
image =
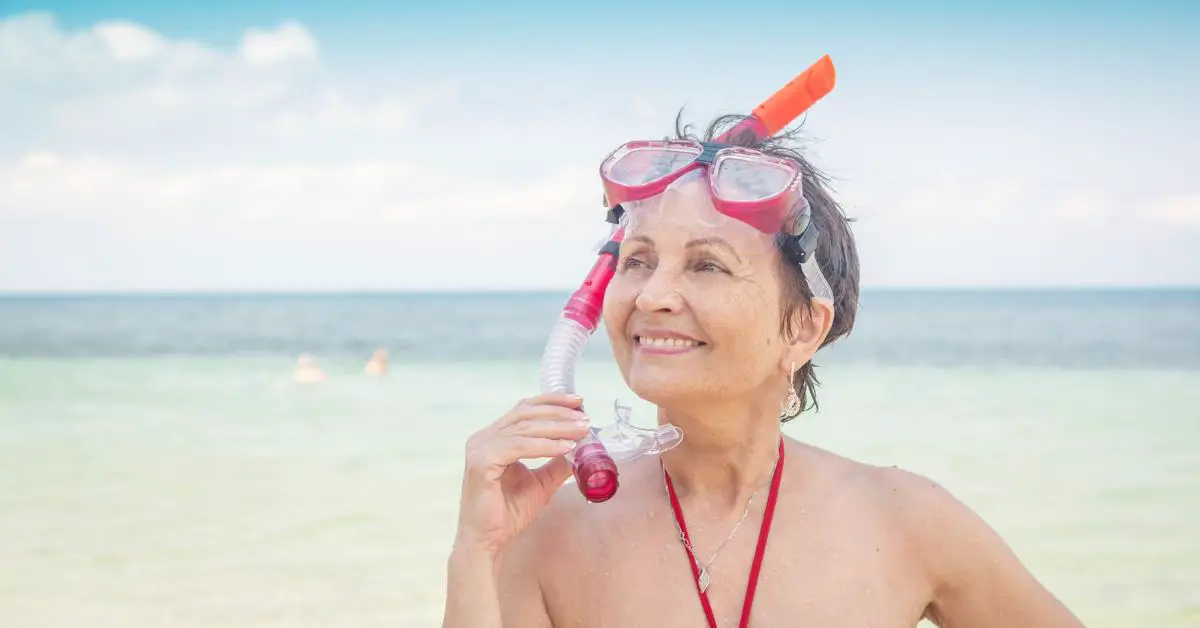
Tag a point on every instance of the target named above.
point(159, 467)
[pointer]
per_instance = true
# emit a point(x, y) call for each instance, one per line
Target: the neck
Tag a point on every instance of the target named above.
point(727, 453)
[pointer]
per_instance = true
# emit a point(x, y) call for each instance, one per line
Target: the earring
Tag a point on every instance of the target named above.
point(791, 403)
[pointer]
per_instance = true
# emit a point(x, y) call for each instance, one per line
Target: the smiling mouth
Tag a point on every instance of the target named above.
point(667, 344)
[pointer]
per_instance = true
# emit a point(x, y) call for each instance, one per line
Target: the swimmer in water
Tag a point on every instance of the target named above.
point(307, 371)
point(378, 364)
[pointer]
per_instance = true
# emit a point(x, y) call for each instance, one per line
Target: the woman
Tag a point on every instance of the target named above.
point(716, 322)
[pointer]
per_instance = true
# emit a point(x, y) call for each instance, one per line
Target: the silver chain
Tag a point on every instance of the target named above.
point(704, 578)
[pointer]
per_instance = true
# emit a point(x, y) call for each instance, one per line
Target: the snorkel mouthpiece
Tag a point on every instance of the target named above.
point(594, 460)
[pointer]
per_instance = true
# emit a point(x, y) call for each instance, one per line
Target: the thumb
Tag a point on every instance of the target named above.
point(551, 475)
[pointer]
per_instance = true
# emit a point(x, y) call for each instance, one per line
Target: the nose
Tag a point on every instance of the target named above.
point(660, 293)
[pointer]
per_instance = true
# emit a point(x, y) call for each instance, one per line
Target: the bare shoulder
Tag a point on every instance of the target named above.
point(921, 505)
point(952, 539)
point(562, 528)
point(551, 529)
point(888, 491)
point(976, 578)
point(555, 560)
point(907, 502)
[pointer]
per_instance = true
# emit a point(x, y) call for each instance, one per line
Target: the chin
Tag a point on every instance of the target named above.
point(665, 387)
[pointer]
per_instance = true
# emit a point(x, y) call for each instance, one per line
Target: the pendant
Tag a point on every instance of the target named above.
point(703, 581)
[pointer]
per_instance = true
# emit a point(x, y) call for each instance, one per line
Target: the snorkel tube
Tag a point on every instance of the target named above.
point(593, 463)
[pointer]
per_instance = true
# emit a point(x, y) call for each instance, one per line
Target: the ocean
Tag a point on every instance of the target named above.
point(160, 467)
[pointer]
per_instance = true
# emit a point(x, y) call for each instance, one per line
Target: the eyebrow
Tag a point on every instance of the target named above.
point(709, 241)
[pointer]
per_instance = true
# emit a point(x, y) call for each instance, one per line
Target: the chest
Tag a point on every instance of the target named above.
point(809, 577)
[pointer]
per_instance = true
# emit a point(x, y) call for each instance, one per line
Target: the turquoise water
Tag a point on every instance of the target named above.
point(158, 466)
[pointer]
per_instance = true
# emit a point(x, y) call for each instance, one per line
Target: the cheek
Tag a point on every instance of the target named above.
point(746, 323)
point(617, 306)
point(752, 332)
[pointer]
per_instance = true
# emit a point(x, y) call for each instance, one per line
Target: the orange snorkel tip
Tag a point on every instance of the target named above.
point(787, 104)
point(801, 93)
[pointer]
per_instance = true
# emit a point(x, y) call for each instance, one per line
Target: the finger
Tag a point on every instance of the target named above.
point(546, 428)
point(526, 447)
point(505, 451)
point(545, 411)
point(567, 400)
point(551, 475)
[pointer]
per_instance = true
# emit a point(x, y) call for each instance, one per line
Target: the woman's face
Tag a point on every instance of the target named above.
point(693, 310)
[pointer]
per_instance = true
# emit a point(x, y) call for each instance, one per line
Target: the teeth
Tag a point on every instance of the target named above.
point(666, 343)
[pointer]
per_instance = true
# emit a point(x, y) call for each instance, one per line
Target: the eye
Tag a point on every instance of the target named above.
point(632, 262)
point(709, 266)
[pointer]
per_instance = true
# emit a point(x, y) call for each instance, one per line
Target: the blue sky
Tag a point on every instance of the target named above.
point(366, 146)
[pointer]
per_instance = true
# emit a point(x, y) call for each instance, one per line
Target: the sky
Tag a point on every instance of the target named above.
point(304, 146)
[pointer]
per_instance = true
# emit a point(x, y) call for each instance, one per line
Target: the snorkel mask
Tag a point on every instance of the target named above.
point(761, 191)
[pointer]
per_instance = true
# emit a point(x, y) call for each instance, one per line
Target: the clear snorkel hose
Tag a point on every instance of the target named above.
point(594, 460)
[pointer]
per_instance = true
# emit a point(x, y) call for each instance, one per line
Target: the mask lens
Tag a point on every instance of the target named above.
point(645, 164)
point(747, 178)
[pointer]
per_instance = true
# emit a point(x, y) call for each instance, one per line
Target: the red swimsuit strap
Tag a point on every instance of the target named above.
point(759, 552)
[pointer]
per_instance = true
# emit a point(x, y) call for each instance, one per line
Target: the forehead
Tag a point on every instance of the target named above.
point(684, 212)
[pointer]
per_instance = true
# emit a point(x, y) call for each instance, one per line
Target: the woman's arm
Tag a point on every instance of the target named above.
point(485, 592)
point(488, 584)
point(978, 580)
point(472, 594)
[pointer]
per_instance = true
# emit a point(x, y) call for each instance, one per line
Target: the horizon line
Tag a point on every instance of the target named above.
point(560, 291)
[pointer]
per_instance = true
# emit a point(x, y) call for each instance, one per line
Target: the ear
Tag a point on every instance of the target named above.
point(809, 328)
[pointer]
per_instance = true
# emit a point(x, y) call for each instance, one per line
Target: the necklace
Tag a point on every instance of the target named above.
point(704, 580)
point(701, 575)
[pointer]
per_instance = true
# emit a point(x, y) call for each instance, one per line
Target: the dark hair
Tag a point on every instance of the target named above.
point(836, 252)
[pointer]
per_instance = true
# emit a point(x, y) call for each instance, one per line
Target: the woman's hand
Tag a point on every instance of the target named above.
point(501, 496)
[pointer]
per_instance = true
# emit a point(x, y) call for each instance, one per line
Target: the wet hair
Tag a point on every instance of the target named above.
point(836, 252)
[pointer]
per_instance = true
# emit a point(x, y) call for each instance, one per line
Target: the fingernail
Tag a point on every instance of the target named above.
point(567, 444)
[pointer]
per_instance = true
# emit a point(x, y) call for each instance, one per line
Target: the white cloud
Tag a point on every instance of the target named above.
point(119, 123)
point(562, 190)
point(1178, 210)
point(35, 52)
point(331, 111)
point(119, 78)
point(289, 42)
point(116, 133)
point(957, 198)
point(129, 42)
point(1083, 206)
point(48, 184)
